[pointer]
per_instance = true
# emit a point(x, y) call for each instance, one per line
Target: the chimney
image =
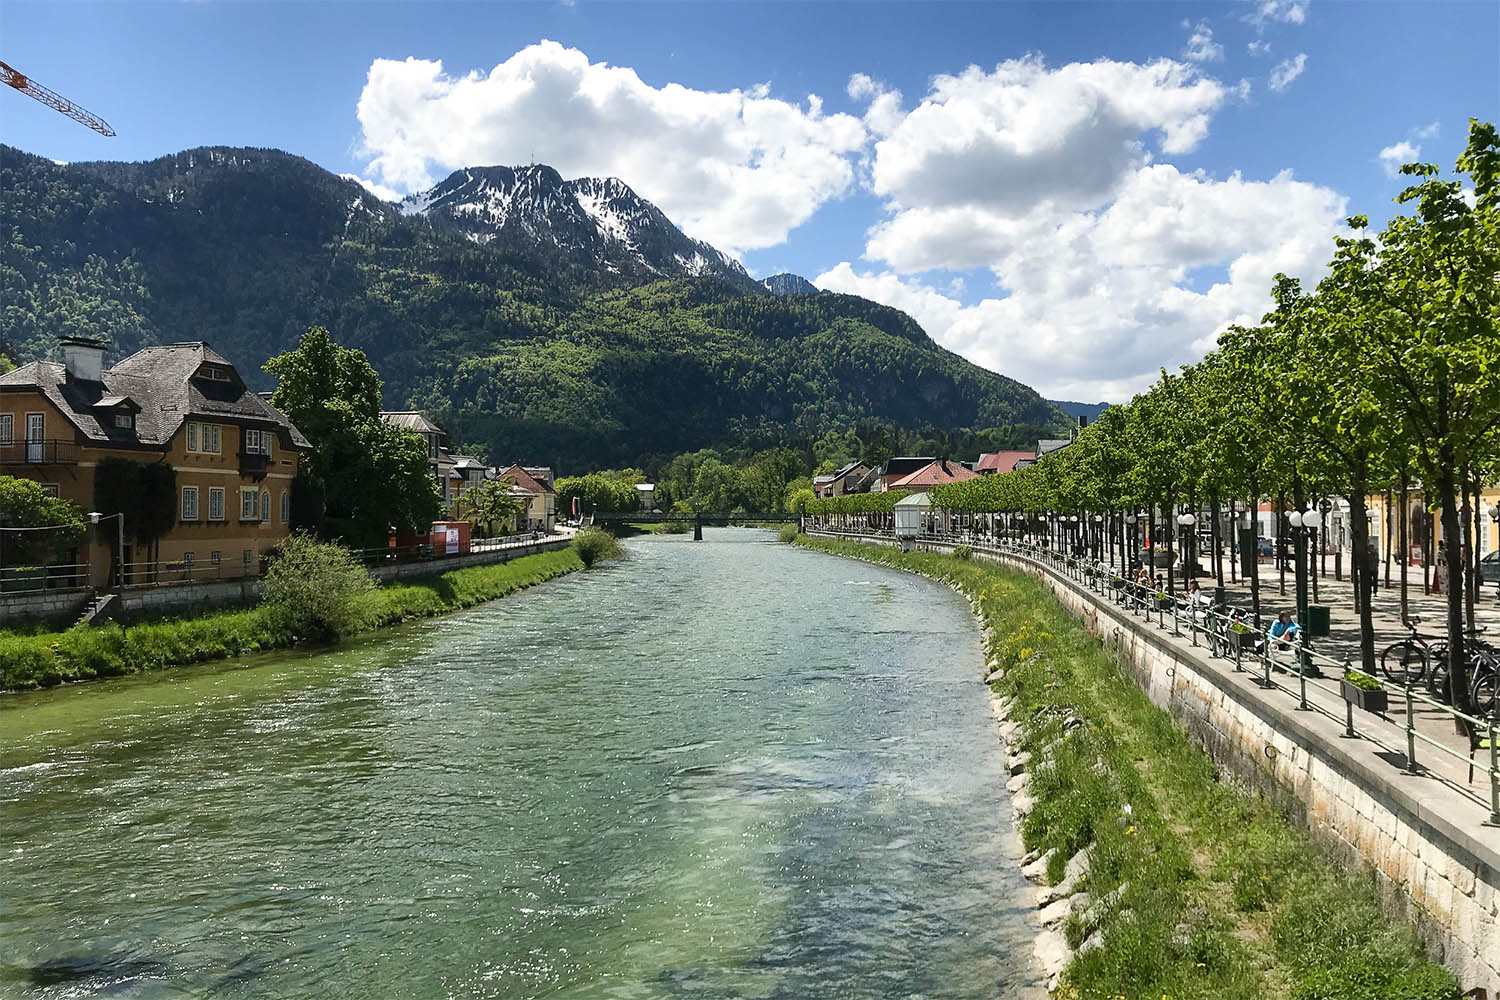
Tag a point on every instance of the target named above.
point(1083, 421)
point(83, 358)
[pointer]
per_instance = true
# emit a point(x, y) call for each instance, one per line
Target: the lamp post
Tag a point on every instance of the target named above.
point(1495, 523)
point(1128, 557)
point(1185, 522)
point(94, 518)
point(1304, 524)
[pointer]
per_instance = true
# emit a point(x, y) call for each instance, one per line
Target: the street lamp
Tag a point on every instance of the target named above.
point(94, 518)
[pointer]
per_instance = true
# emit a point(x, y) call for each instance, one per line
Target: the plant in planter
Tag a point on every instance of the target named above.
point(1240, 636)
point(1363, 691)
point(1164, 600)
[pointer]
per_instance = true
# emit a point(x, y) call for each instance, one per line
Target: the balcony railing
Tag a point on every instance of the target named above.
point(254, 464)
point(46, 452)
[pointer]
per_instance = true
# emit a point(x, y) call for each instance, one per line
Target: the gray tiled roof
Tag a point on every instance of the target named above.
point(158, 380)
point(411, 420)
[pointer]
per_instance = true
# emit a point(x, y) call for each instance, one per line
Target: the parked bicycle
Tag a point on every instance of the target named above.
point(1407, 661)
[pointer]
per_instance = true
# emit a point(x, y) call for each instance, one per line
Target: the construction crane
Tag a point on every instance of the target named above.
point(14, 78)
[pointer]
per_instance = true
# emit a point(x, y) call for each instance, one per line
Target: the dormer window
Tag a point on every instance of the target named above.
point(216, 372)
point(125, 421)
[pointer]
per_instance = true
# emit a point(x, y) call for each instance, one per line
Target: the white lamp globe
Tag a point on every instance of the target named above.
point(1295, 519)
point(1186, 519)
point(1311, 518)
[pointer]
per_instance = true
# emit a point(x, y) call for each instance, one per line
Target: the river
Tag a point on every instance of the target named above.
point(721, 769)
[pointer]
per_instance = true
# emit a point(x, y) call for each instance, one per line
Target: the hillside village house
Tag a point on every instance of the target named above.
point(541, 507)
point(234, 455)
point(438, 456)
point(841, 481)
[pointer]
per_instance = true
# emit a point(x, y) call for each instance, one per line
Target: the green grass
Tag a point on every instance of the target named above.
point(1218, 894)
point(47, 658)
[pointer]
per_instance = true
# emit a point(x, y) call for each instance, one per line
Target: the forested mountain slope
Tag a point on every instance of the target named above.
point(533, 342)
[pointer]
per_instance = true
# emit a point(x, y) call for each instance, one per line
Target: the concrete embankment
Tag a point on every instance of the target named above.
point(1431, 869)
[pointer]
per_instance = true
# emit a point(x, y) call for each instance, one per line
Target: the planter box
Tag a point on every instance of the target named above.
point(1370, 701)
point(1164, 603)
point(1242, 641)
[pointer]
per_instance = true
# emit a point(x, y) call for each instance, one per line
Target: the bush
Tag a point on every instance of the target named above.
point(788, 533)
point(963, 552)
point(316, 589)
point(594, 545)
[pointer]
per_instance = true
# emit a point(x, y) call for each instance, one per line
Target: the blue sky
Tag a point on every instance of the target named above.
point(1074, 194)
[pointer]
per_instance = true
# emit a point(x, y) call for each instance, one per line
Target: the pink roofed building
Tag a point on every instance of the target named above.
point(937, 473)
point(992, 462)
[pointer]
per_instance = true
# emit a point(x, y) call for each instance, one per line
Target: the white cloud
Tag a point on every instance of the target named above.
point(1026, 133)
point(1108, 261)
point(378, 190)
point(1282, 11)
point(1427, 131)
point(1201, 46)
point(1092, 304)
point(1286, 71)
point(1256, 47)
point(1395, 156)
point(737, 168)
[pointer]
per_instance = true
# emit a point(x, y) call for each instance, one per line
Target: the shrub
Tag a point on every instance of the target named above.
point(316, 589)
point(963, 552)
point(788, 533)
point(1363, 681)
point(594, 545)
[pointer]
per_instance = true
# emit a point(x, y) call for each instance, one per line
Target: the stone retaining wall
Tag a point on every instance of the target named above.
point(43, 606)
point(1436, 863)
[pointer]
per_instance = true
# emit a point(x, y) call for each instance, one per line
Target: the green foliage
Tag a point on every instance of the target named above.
point(788, 533)
point(24, 504)
point(598, 492)
point(46, 658)
point(315, 589)
point(370, 474)
point(490, 502)
point(595, 545)
point(963, 552)
point(1363, 681)
point(145, 492)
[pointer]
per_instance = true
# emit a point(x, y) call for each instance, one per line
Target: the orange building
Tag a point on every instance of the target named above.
point(233, 454)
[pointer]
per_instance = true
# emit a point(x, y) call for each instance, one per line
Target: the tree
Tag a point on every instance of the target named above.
point(24, 504)
point(491, 501)
point(372, 475)
point(145, 493)
point(315, 589)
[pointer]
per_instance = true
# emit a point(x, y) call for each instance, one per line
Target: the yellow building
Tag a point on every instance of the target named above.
point(233, 455)
point(1425, 526)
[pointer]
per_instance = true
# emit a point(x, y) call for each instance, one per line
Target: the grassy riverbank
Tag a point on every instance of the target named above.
point(46, 658)
point(1200, 891)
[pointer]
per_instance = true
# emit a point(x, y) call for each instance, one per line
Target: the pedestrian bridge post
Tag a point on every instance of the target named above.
point(697, 529)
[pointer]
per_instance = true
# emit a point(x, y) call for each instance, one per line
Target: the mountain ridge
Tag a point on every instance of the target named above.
point(518, 344)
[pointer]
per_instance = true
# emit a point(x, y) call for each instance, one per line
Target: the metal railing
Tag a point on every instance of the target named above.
point(52, 451)
point(1205, 624)
point(177, 572)
point(38, 579)
point(425, 551)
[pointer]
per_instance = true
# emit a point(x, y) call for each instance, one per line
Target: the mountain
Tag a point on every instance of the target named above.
point(596, 222)
point(790, 284)
point(1076, 410)
point(558, 328)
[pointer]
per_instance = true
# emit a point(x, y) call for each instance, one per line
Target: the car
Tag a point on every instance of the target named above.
point(1489, 567)
point(1264, 548)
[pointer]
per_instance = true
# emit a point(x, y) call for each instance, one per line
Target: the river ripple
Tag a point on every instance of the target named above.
point(719, 769)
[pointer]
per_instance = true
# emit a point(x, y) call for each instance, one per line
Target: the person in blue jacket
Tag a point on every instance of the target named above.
point(1283, 630)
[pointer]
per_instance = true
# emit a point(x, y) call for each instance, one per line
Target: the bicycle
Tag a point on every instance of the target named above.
point(1405, 661)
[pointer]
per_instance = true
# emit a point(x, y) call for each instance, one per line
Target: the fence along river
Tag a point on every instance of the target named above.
point(723, 769)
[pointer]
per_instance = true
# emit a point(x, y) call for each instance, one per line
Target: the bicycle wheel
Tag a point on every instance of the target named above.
point(1486, 682)
point(1437, 673)
point(1403, 662)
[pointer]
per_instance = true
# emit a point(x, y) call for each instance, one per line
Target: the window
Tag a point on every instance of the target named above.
point(286, 506)
point(216, 372)
point(190, 503)
point(249, 504)
point(50, 489)
point(125, 420)
point(257, 442)
point(213, 557)
point(7, 428)
point(265, 506)
point(188, 559)
point(216, 503)
point(206, 438)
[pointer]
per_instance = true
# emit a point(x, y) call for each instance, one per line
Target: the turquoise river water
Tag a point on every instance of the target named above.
point(725, 769)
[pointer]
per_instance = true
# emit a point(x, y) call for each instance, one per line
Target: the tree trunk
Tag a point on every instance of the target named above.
point(1458, 663)
point(1217, 540)
point(1387, 528)
point(1363, 574)
point(1404, 533)
point(1281, 527)
point(1255, 560)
